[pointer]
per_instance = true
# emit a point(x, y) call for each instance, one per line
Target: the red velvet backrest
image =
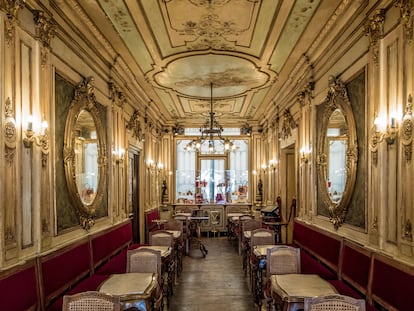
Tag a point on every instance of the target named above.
point(324, 245)
point(64, 268)
point(150, 216)
point(355, 265)
point(18, 288)
point(392, 284)
point(109, 242)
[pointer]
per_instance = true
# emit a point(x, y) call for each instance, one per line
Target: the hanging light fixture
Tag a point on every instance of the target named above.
point(210, 131)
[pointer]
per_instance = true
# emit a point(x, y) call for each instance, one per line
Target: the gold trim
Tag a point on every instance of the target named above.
point(406, 129)
point(337, 98)
point(84, 100)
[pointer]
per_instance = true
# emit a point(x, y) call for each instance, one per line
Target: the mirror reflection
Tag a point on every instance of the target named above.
point(337, 143)
point(86, 161)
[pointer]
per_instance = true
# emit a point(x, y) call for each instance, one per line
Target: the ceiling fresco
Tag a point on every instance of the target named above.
point(245, 48)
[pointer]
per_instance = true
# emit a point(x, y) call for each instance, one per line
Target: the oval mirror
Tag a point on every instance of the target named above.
point(337, 153)
point(85, 154)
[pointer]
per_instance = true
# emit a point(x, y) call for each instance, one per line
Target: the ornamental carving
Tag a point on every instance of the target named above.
point(12, 8)
point(304, 97)
point(288, 124)
point(9, 131)
point(406, 130)
point(406, 7)
point(408, 231)
point(134, 125)
point(374, 28)
point(118, 97)
point(45, 31)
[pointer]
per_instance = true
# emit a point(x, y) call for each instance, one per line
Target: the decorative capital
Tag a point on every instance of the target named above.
point(118, 97)
point(288, 124)
point(45, 28)
point(406, 8)
point(134, 125)
point(12, 8)
point(374, 28)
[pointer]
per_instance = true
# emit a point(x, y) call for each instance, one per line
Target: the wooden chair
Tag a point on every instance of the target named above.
point(148, 261)
point(262, 236)
point(91, 301)
point(334, 303)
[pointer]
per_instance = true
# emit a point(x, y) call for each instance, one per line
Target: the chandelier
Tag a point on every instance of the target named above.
point(210, 131)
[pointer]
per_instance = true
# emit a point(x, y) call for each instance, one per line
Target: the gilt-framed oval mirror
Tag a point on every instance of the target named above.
point(337, 153)
point(85, 154)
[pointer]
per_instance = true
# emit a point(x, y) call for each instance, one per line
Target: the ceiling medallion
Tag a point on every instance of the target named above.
point(209, 2)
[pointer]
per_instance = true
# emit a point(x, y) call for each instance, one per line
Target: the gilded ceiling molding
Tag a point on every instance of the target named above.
point(406, 130)
point(328, 26)
point(116, 95)
point(134, 125)
point(45, 31)
point(12, 8)
point(9, 132)
point(288, 124)
point(374, 28)
point(406, 8)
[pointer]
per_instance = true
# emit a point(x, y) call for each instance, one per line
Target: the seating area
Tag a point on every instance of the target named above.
point(82, 266)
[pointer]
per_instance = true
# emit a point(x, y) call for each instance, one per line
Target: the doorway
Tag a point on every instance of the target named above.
point(133, 191)
point(288, 170)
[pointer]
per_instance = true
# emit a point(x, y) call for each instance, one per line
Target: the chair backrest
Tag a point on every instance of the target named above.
point(282, 259)
point(144, 260)
point(161, 238)
point(334, 303)
point(262, 236)
point(251, 224)
point(91, 301)
point(174, 224)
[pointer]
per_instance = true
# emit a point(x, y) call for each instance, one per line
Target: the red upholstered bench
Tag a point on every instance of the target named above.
point(354, 271)
point(64, 270)
point(150, 225)
point(19, 288)
point(321, 250)
point(392, 284)
point(110, 242)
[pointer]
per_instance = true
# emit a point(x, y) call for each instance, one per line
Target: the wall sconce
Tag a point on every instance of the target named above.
point(40, 139)
point(381, 131)
point(304, 155)
point(272, 165)
point(118, 155)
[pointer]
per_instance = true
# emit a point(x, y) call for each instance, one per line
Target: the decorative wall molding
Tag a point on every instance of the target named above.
point(134, 125)
point(406, 130)
point(406, 9)
point(9, 132)
point(45, 31)
point(288, 124)
point(374, 28)
point(408, 231)
point(12, 8)
point(116, 95)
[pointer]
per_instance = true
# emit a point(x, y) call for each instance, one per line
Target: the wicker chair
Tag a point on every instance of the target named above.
point(262, 236)
point(148, 261)
point(281, 259)
point(334, 303)
point(91, 301)
point(179, 250)
point(161, 238)
point(247, 225)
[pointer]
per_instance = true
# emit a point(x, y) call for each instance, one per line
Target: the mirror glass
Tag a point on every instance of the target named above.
point(337, 142)
point(86, 157)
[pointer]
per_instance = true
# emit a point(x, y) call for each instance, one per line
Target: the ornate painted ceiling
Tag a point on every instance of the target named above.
point(176, 48)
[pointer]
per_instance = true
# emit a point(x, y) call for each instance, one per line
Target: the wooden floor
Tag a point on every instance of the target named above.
point(214, 283)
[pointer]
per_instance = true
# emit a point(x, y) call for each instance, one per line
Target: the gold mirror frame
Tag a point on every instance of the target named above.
point(84, 100)
point(337, 98)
